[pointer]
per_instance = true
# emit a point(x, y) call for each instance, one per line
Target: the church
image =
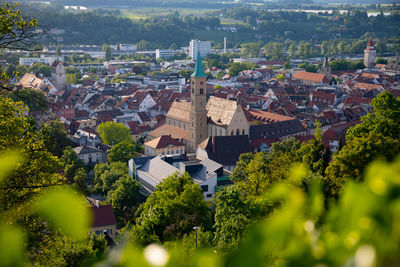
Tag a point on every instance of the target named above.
point(193, 122)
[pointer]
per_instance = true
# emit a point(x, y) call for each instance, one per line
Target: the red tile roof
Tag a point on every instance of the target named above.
point(310, 76)
point(163, 141)
point(103, 215)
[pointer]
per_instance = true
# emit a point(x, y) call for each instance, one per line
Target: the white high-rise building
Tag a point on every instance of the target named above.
point(196, 45)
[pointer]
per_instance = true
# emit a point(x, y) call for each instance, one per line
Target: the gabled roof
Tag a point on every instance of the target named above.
point(265, 117)
point(368, 86)
point(163, 141)
point(310, 76)
point(103, 216)
point(225, 150)
point(167, 129)
point(180, 110)
point(220, 110)
point(86, 150)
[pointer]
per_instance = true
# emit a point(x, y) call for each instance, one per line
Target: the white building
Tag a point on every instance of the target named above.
point(27, 61)
point(196, 45)
point(127, 47)
point(164, 53)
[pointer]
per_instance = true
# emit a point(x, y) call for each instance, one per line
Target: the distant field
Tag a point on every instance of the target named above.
point(143, 13)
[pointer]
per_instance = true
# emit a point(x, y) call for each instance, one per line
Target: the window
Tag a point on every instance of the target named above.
point(232, 132)
point(204, 188)
point(201, 91)
point(109, 231)
point(209, 195)
point(98, 232)
point(192, 90)
point(201, 83)
point(243, 132)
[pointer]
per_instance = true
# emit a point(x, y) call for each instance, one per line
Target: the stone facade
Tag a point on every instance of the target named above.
point(58, 75)
point(369, 54)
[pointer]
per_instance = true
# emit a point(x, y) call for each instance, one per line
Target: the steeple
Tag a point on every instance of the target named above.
point(198, 128)
point(198, 69)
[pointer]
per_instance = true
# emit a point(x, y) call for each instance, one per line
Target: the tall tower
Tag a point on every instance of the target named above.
point(58, 75)
point(369, 54)
point(225, 45)
point(326, 68)
point(198, 113)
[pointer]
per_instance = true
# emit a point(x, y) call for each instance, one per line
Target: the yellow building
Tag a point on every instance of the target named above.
point(164, 145)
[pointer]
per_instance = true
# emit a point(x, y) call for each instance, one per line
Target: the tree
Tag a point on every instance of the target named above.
point(232, 215)
point(105, 175)
point(381, 61)
point(55, 135)
point(123, 152)
point(378, 135)
point(35, 100)
point(171, 211)
point(40, 170)
point(274, 50)
point(287, 65)
point(113, 133)
point(250, 50)
point(125, 199)
point(108, 53)
point(58, 51)
point(142, 45)
point(40, 68)
point(74, 170)
point(15, 31)
point(22, 69)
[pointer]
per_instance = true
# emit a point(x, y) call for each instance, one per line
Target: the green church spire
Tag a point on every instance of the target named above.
point(198, 69)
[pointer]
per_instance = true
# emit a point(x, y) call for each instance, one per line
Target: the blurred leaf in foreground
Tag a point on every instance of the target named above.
point(66, 210)
point(11, 246)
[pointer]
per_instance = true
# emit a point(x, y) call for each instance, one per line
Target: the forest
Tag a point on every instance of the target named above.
point(257, 25)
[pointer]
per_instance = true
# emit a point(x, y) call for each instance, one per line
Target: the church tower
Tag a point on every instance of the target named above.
point(326, 68)
point(369, 54)
point(198, 113)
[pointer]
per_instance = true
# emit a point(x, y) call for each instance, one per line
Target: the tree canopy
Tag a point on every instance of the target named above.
point(113, 133)
point(171, 211)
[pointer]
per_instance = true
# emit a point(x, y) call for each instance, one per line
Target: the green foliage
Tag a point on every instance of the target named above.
point(18, 133)
point(123, 152)
point(105, 175)
point(378, 135)
point(342, 64)
point(171, 211)
point(274, 51)
point(125, 199)
point(58, 205)
point(232, 215)
point(381, 60)
point(113, 133)
point(71, 78)
point(40, 68)
point(15, 29)
point(237, 67)
point(74, 170)
point(250, 50)
point(35, 100)
point(55, 137)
